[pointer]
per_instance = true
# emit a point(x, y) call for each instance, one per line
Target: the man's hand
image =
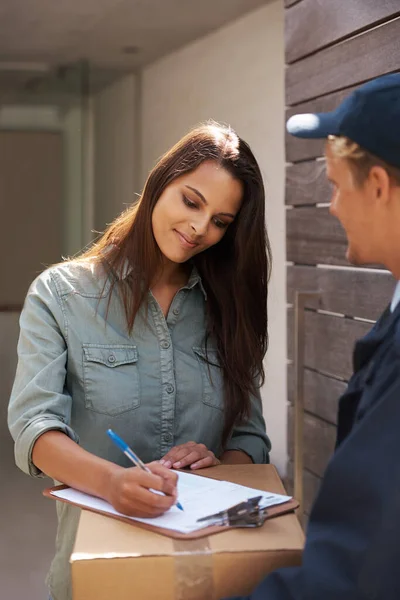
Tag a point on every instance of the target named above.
point(195, 456)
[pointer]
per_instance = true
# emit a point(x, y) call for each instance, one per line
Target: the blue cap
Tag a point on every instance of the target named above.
point(369, 116)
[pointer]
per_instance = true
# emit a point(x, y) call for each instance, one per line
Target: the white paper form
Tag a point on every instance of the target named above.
point(199, 496)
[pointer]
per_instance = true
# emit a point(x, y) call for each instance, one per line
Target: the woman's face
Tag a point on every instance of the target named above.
point(195, 211)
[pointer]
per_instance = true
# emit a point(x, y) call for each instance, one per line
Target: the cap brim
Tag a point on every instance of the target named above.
point(317, 125)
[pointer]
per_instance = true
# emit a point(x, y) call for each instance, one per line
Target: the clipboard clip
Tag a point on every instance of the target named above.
point(244, 514)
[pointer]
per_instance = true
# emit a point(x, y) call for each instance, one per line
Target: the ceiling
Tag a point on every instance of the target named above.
point(41, 40)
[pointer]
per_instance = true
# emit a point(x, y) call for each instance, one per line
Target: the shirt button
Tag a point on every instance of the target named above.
point(176, 311)
point(167, 438)
point(111, 359)
point(170, 388)
point(165, 344)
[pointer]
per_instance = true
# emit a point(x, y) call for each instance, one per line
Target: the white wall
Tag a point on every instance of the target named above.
point(19, 117)
point(73, 187)
point(235, 75)
point(115, 143)
point(70, 121)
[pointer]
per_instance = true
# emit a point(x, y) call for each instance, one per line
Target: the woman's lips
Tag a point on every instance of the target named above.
point(184, 240)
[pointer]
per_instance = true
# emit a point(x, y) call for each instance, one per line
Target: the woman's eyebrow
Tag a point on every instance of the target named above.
point(200, 195)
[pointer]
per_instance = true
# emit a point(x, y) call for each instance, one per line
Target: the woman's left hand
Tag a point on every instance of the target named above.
point(197, 456)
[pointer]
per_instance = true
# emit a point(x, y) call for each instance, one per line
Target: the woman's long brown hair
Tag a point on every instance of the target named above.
point(234, 272)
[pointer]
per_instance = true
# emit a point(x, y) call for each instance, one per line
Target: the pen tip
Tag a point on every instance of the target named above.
point(179, 505)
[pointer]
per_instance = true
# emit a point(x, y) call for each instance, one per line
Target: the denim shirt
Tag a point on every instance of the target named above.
point(80, 372)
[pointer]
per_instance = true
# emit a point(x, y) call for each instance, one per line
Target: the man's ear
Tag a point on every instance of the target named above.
point(379, 183)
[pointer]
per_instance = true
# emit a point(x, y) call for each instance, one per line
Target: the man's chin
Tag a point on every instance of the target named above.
point(350, 257)
point(353, 258)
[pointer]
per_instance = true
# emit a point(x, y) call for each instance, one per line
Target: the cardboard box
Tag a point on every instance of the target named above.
point(113, 560)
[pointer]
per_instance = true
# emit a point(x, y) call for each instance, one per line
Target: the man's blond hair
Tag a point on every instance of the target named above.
point(360, 160)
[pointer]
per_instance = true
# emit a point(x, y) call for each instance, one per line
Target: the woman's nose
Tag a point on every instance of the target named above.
point(200, 226)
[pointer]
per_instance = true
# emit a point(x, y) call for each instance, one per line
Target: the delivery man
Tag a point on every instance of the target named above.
point(352, 549)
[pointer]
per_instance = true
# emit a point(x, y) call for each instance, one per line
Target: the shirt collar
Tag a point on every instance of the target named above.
point(396, 297)
point(194, 278)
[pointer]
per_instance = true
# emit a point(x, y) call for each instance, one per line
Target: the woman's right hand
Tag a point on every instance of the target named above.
point(129, 490)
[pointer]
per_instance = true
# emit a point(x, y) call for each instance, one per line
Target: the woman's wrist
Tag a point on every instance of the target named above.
point(235, 457)
point(103, 479)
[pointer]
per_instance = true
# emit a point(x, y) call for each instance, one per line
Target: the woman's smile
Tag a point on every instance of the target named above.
point(185, 240)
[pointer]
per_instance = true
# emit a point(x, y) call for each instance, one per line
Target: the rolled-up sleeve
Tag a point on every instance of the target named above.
point(39, 400)
point(251, 436)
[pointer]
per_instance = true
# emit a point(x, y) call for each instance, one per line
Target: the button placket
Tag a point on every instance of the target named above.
point(167, 379)
point(176, 307)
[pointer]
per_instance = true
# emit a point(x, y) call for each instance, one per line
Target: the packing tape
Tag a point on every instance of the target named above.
point(194, 579)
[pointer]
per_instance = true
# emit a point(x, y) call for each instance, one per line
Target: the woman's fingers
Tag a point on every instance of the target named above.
point(155, 502)
point(142, 508)
point(208, 461)
point(169, 479)
point(191, 454)
point(177, 453)
point(178, 457)
point(192, 457)
point(138, 493)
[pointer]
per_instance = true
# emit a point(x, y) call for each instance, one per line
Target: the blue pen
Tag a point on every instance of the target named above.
point(131, 455)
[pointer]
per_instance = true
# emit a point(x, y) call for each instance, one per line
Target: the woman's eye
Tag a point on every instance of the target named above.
point(220, 224)
point(188, 202)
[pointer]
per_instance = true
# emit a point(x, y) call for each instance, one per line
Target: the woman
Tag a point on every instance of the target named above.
point(158, 331)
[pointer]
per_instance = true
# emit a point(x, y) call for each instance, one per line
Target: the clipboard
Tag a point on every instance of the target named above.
point(270, 513)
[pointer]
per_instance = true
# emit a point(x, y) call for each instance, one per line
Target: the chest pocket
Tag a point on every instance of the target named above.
point(111, 378)
point(212, 378)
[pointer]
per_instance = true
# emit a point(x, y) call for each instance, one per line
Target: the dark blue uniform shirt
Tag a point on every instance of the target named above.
point(352, 549)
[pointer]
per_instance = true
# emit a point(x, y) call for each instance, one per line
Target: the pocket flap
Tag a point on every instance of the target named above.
point(210, 357)
point(110, 355)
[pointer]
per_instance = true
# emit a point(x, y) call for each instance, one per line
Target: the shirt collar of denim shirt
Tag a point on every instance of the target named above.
point(194, 278)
